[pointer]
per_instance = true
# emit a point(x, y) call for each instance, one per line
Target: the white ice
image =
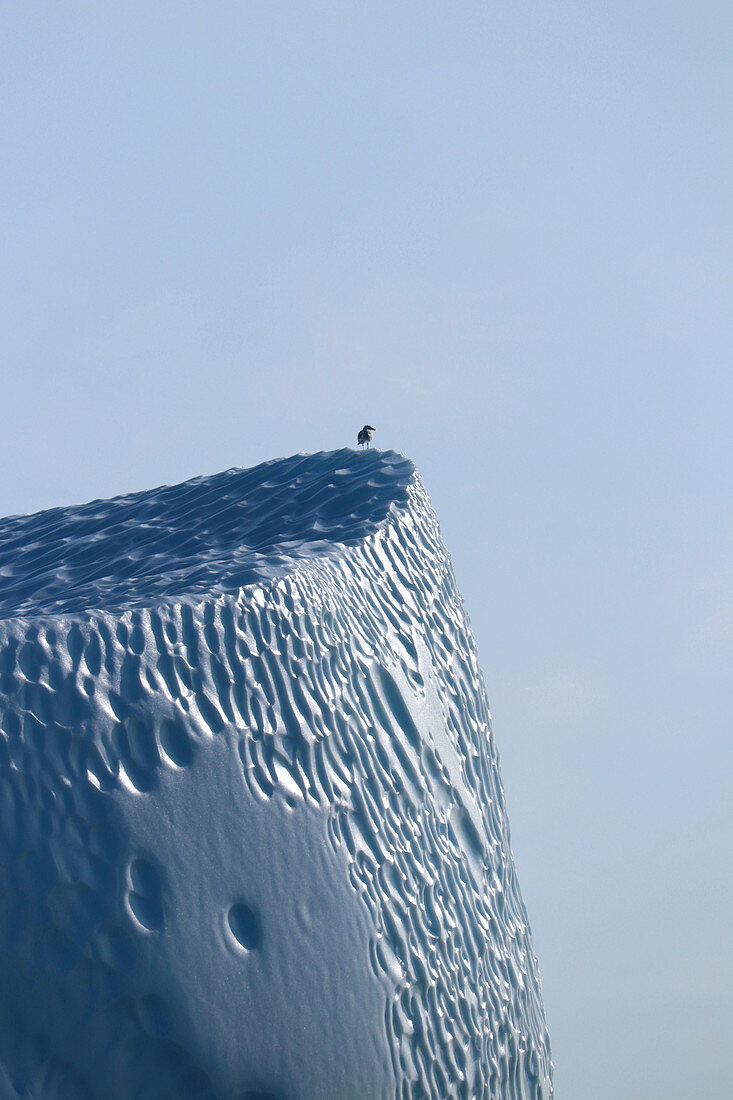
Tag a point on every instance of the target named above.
point(253, 835)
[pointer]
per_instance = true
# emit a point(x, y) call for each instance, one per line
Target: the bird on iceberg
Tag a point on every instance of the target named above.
point(365, 435)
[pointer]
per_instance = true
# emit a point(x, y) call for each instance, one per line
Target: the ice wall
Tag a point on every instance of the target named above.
point(253, 841)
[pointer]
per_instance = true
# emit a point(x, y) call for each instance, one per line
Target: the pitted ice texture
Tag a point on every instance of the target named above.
point(253, 840)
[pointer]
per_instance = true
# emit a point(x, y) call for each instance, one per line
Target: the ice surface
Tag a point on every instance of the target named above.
point(253, 841)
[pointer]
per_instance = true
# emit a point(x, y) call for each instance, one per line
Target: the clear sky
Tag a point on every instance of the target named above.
point(501, 233)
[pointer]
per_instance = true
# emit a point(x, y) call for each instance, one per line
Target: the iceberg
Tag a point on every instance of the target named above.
point(253, 836)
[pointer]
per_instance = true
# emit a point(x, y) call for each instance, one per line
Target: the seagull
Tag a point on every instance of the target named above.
point(365, 435)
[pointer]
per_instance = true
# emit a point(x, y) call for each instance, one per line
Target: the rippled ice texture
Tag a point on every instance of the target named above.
point(253, 841)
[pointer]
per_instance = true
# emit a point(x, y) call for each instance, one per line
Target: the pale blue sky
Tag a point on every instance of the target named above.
point(501, 233)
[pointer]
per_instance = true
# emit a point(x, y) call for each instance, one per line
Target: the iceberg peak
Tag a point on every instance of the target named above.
point(212, 534)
